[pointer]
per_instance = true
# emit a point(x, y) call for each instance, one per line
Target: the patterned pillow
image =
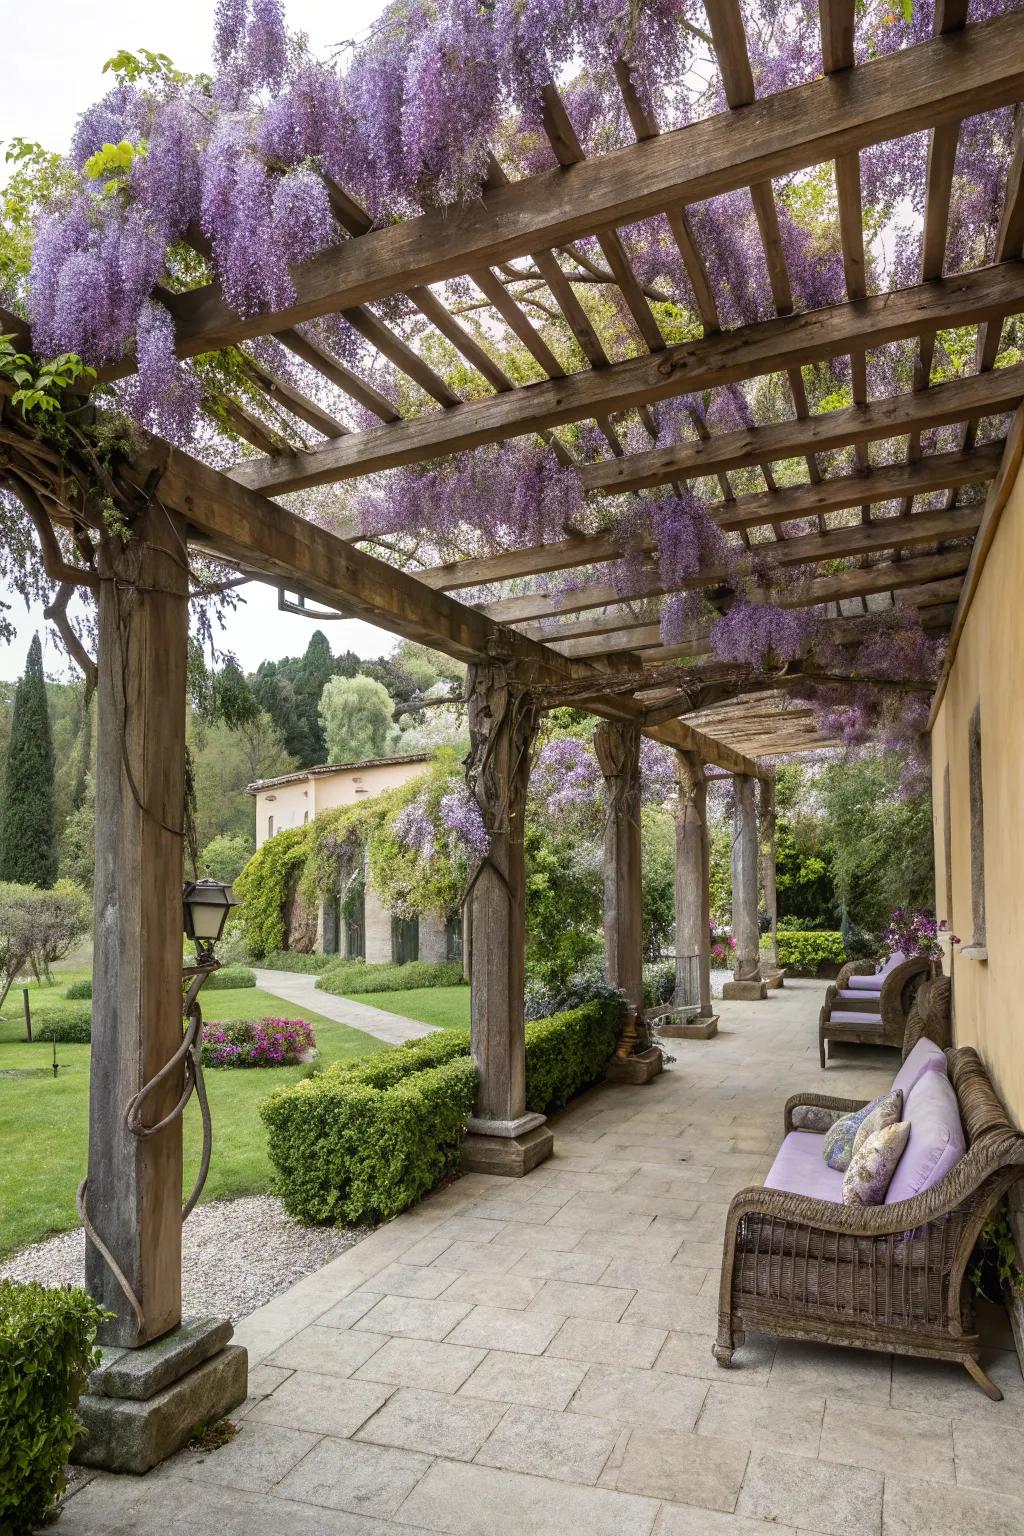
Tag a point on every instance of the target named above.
point(886, 1112)
point(837, 1148)
point(873, 1165)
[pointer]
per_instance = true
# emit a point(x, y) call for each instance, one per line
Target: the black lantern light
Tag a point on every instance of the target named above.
point(206, 904)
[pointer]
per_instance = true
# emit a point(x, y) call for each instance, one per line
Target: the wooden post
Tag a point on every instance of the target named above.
point(617, 745)
point(134, 1188)
point(747, 982)
point(772, 972)
point(503, 1137)
point(692, 893)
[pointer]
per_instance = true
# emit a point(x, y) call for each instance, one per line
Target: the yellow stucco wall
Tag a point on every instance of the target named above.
point(988, 995)
point(292, 804)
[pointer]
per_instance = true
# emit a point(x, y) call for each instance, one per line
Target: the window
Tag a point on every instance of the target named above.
point(976, 949)
point(270, 826)
point(305, 817)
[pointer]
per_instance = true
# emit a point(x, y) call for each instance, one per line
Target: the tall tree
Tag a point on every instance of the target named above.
point(357, 719)
point(28, 829)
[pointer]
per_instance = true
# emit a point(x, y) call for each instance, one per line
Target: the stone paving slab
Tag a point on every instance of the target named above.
point(533, 1358)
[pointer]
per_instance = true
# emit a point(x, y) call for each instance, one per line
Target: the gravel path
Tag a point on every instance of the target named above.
point(296, 987)
point(237, 1254)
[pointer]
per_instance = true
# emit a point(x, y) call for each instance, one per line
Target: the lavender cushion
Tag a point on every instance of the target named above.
point(874, 983)
point(936, 1142)
point(800, 1168)
point(861, 1020)
point(862, 999)
point(925, 1057)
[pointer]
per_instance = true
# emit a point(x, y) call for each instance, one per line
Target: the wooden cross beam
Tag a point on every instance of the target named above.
point(754, 351)
point(803, 549)
point(244, 528)
point(942, 80)
point(936, 472)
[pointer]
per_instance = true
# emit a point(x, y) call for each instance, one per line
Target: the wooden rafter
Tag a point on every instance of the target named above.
point(756, 351)
point(939, 81)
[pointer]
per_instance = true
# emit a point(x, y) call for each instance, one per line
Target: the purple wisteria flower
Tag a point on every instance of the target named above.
point(415, 830)
point(464, 821)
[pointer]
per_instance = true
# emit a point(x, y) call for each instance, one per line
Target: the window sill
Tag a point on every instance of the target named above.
point(974, 952)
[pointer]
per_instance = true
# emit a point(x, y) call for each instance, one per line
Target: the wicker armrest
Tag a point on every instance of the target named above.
point(819, 1101)
point(854, 968)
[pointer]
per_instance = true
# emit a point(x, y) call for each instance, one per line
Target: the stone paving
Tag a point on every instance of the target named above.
point(534, 1356)
point(298, 988)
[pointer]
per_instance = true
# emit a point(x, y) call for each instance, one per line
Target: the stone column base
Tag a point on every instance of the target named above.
point(696, 1029)
point(143, 1404)
point(508, 1156)
point(639, 1068)
point(745, 991)
point(772, 977)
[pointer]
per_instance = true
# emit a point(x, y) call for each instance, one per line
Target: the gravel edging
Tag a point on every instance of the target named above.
point(236, 1255)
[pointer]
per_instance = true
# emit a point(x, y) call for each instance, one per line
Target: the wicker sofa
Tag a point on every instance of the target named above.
point(865, 1006)
point(886, 1277)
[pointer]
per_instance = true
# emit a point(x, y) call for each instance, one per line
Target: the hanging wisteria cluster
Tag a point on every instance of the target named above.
point(567, 784)
point(452, 825)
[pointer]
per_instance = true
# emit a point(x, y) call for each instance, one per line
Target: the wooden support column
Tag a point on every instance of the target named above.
point(504, 1138)
point(134, 1192)
point(617, 745)
point(692, 893)
point(771, 970)
point(747, 983)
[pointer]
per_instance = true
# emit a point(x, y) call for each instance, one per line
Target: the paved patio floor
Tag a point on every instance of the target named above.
point(534, 1357)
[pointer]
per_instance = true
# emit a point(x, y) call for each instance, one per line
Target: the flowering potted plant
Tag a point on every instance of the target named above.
point(915, 933)
point(722, 946)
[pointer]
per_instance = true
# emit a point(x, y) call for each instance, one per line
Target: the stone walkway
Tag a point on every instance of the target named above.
point(295, 987)
point(533, 1358)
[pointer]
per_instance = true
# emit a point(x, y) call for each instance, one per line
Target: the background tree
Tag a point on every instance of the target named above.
point(28, 832)
point(356, 713)
point(225, 856)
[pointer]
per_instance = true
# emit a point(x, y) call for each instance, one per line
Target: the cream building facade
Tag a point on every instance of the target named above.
point(355, 924)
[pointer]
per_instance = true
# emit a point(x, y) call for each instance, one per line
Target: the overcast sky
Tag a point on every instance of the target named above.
point(52, 73)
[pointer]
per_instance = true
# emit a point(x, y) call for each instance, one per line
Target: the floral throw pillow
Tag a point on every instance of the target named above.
point(837, 1148)
point(887, 1111)
point(873, 1164)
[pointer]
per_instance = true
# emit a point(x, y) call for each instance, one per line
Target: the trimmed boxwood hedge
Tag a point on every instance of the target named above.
point(292, 960)
point(71, 1025)
point(803, 951)
point(348, 976)
point(230, 978)
point(361, 1141)
point(46, 1352)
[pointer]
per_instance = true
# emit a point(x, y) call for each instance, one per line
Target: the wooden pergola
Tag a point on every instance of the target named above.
point(528, 651)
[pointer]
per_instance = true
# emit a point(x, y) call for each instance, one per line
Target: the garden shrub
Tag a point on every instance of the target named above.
point(79, 989)
point(360, 1141)
point(350, 1153)
point(291, 960)
point(547, 994)
point(569, 1052)
point(348, 976)
point(46, 1354)
point(69, 1026)
point(659, 983)
point(230, 978)
point(257, 1043)
point(802, 953)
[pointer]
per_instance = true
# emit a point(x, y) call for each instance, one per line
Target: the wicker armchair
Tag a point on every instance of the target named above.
point(884, 1277)
point(871, 1018)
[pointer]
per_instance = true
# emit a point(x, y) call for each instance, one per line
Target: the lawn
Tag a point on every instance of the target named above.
point(44, 1121)
point(447, 1007)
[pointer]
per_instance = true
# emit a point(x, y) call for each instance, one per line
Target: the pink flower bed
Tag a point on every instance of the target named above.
point(258, 1043)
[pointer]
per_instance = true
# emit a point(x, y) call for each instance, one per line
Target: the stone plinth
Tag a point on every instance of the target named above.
point(642, 1067)
point(772, 977)
point(508, 1156)
point(745, 991)
point(143, 1404)
point(689, 1029)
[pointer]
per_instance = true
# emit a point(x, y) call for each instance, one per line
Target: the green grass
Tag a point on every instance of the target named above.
point(44, 1121)
point(447, 1007)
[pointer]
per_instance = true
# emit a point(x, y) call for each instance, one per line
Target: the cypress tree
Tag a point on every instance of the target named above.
point(28, 830)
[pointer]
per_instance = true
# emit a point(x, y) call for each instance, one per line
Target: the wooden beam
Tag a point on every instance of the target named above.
point(795, 503)
point(755, 351)
point(616, 632)
point(942, 80)
point(995, 392)
point(244, 528)
point(804, 549)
